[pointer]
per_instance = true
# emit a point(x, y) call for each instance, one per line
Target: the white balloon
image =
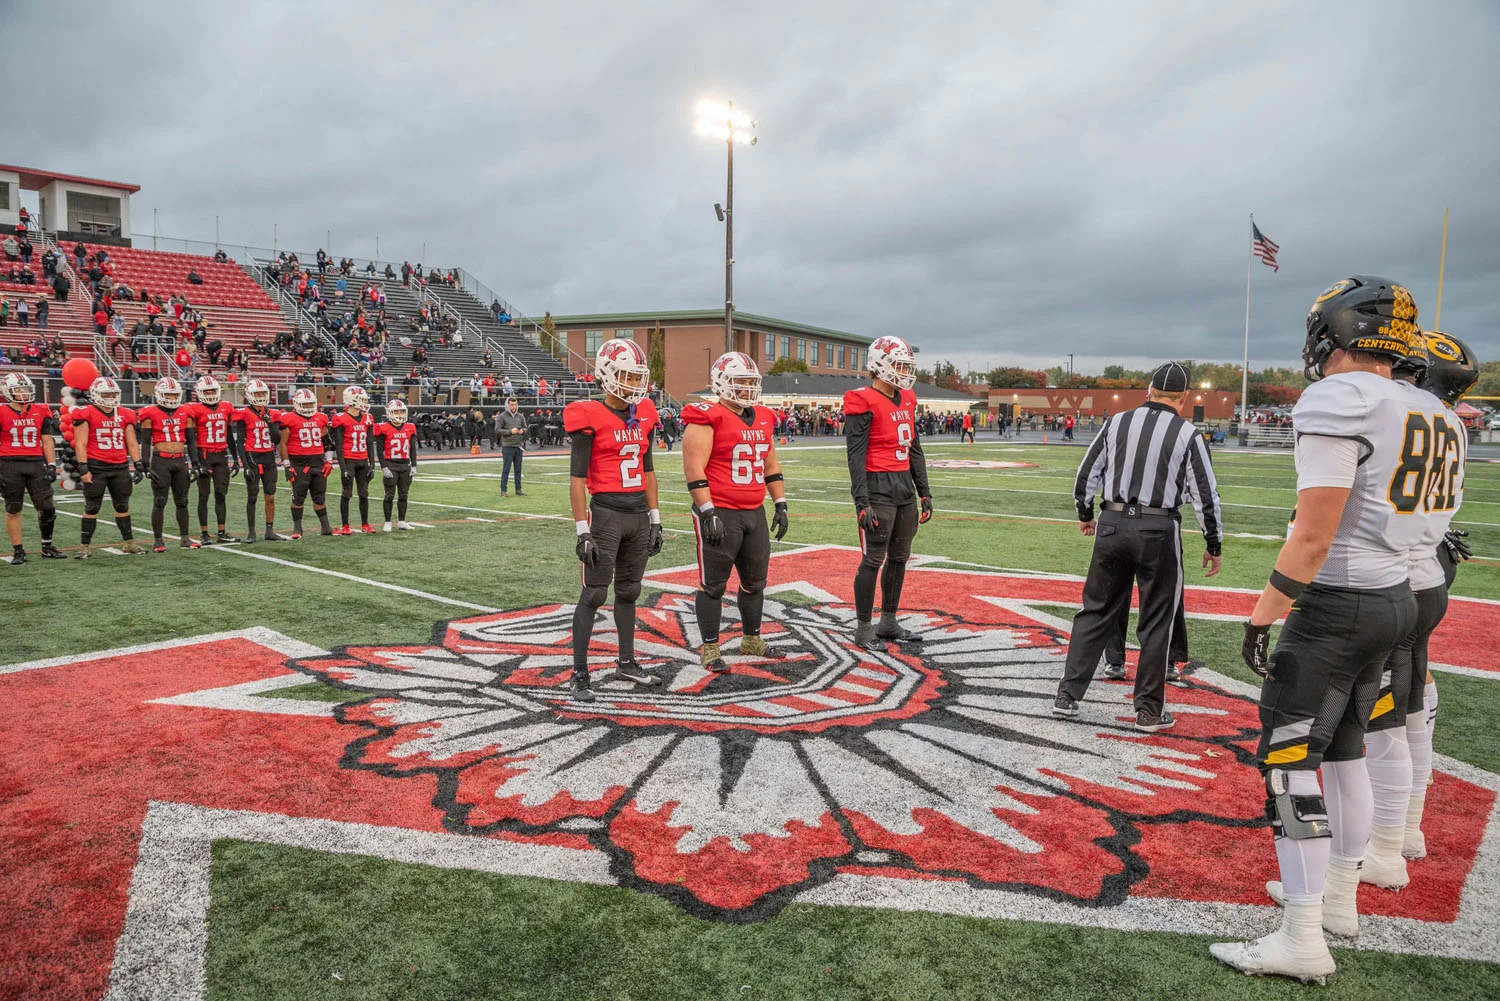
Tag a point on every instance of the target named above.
point(68, 484)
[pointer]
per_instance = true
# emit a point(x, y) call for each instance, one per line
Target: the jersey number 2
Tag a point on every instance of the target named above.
point(630, 466)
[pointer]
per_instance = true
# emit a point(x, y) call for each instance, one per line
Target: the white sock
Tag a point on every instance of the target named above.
point(1346, 790)
point(1303, 863)
point(1388, 760)
point(1385, 843)
point(1342, 885)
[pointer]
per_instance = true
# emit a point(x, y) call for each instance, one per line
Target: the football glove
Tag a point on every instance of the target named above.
point(327, 468)
point(779, 521)
point(388, 474)
point(926, 514)
point(656, 540)
point(1458, 549)
point(234, 469)
point(867, 519)
point(52, 472)
point(712, 526)
point(1257, 648)
point(588, 553)
point(137, 473)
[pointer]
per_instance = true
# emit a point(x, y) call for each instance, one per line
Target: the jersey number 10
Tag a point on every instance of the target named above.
point(1431, 466)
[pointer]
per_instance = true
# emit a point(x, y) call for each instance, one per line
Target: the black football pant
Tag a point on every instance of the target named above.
point(1114, 648)
point(1404, 677)
point(307, 478)
point(623, 540)
point(747, 549)
point(217, 482)
point(354, 474)
point(889, 543)
point(115, 478)
point(19, 477)
point(169, 480)
point(260, 474)
point(1144, 550)
point(397, 486)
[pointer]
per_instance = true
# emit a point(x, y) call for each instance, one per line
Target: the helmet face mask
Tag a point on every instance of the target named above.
point(621, 369)
point(168, 393)
point(257, 393)
point(18, 388)
point(395, 412)
point(104, 393)
point(892, 361)
point(305, 402)
point(207, 390)
point(734, 378)
point(1363, 313)
point(356, 399)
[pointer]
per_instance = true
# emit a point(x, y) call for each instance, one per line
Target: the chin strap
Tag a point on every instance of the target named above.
point(631, 420)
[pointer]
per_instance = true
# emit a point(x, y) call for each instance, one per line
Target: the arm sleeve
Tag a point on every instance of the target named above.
point(1204, 491)
point(377, 445)
point(336, 437)
point(647, 465)
point(856, 445)
point(143, 438)
point(1327, 461)
point(582, 453)
point(919, 466)
point(1091, 472)
point(237, 437)
point(412, 448)
point(192, 447)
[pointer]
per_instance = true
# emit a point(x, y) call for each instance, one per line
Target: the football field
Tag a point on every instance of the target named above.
point(345, 767)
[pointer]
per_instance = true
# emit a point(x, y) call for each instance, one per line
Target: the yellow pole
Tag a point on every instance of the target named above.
point(1437, 319)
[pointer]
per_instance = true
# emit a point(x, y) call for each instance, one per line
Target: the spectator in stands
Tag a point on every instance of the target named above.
point(542, 388)
point(183, 358)
point(23, 246)
point(101, 319)
point(24, 225)
point(220, 256)
point(458, 340)
point(504, 318)
point(322, 259)
point(487, 361)
point(124, 292)
point(4, 312)
point(23, 313)
point(60, 287)
point(80, 254)
point(43, 308)
point(405, 273)
point(194, 278)
point(506, 389)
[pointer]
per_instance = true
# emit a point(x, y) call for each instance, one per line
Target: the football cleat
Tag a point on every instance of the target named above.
point(755, 646)
point(631, 671)
point(204, 540)
point(1338, 918)
point(405, 526)
point(18, 557)
point(334, 531)
point(712, 659)
point(579, 690)
point(51, 552)
point(1305, 958)
point(130, 547)
point(85, 552)
point(1148, 722)
point(273, 537)
point(1064, 705)
point(387, 527)
point(296, 534)
point(159, 546)
point(364, 529)
point(187, 543)
point(1114, 672)
point(225, 538)
point(1384, 865)
point(864, 637)
point(250, 538)
point(343, 530)
point(898, 634)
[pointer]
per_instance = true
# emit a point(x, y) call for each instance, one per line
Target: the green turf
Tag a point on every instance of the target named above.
point(313, 692)
point(302, 925)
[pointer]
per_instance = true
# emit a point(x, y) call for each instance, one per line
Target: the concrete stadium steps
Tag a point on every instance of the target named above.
point(537, 361)
point(296, 320)
point(165, 273)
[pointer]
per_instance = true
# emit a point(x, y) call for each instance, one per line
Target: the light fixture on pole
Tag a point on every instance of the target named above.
point(723, 122)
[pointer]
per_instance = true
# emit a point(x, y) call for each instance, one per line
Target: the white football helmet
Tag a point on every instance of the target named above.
point(207, 390)
point(892, 361)
point(257, 393)
point(104, 393)
point(395, 412)
point(168, 393)
point(305, 402)
point(621, 369)
point(355, 398)
point(735, 379)
point(18, 387)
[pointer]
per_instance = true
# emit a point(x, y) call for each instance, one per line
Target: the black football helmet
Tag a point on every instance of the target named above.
point(1452, 368)
point(1362, 313)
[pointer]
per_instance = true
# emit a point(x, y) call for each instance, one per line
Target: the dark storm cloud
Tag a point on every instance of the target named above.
point(996, 182)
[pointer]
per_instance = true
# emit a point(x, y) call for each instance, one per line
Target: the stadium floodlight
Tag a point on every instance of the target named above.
point(719, 120)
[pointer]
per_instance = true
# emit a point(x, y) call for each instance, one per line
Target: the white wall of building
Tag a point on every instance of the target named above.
point(10, 208)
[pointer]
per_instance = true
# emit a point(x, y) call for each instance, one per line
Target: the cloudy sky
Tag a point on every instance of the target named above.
point(999, 182)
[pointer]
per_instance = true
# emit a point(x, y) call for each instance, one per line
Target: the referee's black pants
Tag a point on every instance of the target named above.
point(1144, 550)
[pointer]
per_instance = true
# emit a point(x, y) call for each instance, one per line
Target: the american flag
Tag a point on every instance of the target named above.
point(1262, 247)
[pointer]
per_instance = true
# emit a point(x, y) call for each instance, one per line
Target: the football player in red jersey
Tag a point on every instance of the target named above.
point(729, 457)
point(612, 490)
point(888, 479)
point(257, 432)
point(349, 434)
point(28, 463)
point(308, 462)
point(167, 453)
point(110, 457)
point(211, 417)
point(395, 441)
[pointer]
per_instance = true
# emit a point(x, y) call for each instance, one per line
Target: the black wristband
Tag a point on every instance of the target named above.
point(774, 478)
point(1291, 588)
point(698, 485)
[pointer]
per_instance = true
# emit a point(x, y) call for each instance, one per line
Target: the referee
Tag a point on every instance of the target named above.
point(1143, 465)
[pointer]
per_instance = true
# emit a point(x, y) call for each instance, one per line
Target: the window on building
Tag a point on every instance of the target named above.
point(770, 348)
point(4, 194)
point(786, 347)
point(625, 335)
point(592, 339)
point(813, 360)
point(864, 361)
point(801, 350)
point(840, 357)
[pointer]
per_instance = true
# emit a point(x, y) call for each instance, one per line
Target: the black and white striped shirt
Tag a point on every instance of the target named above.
point(1154, 457)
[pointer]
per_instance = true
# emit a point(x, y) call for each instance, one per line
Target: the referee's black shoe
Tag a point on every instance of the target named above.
point(1064, 705)
point(1148, 722)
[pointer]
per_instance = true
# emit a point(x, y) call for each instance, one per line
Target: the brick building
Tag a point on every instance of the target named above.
point(692, 339)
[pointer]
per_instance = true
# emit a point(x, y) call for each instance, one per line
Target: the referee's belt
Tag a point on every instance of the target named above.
point(1139, 510)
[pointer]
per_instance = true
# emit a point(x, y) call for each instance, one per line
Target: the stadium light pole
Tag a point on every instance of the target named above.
point(731, 126)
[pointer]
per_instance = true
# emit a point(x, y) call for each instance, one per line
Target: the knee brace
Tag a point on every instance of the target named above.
point(158, 499)
point(122, 511)
point(593, 597)
point(346, 484)
point(1299, 817)
point(14, 506)
point(91, 505)
point(627, 593)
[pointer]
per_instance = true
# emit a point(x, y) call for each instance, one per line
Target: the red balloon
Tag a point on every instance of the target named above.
point(80, 373)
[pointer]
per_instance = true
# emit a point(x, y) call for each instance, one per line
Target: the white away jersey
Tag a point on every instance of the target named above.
point(1404, 475)
point(1442, 494)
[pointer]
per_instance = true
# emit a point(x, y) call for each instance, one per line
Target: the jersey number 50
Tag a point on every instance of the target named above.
point(1431, 466)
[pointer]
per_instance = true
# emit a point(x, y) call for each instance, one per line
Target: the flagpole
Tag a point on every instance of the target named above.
point(1437, 320)
point(1245, 371)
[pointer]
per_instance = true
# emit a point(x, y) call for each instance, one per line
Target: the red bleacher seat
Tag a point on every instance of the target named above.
point(165, 273)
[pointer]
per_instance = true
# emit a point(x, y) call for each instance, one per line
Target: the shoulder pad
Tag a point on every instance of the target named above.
point(1334, 406)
